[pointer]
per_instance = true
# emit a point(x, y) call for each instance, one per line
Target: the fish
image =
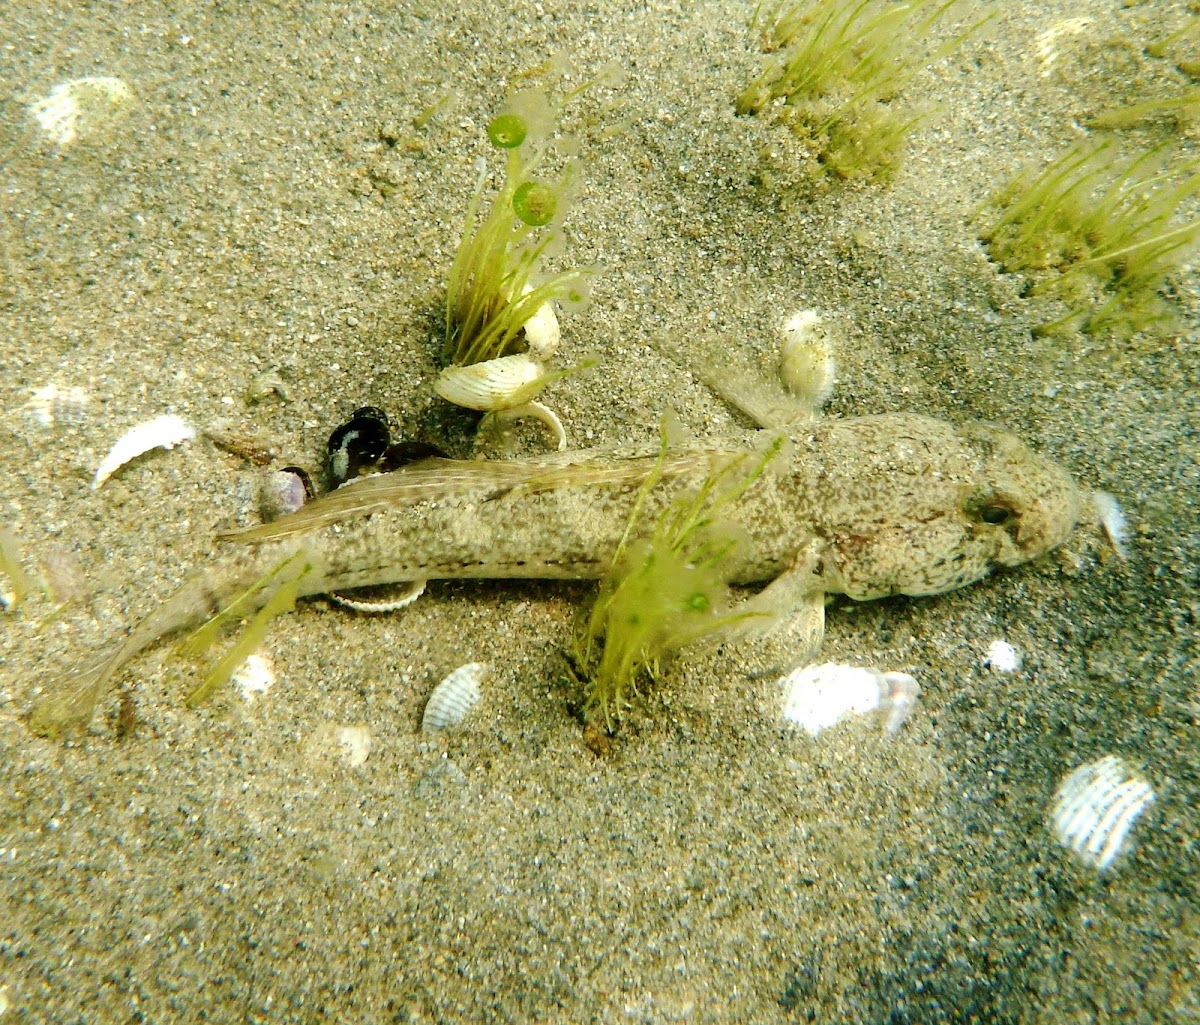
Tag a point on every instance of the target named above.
point(888, 504)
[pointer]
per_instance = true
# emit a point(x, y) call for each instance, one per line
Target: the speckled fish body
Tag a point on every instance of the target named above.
point(889, 504)
point(897, 503)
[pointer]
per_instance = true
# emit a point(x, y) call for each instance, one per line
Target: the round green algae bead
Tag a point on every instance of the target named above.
point(535, 203)
point(507, 131)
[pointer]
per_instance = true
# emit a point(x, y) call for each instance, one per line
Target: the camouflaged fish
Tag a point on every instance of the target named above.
point(897, 503)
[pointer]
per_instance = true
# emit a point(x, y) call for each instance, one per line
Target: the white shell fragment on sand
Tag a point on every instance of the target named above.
point(255, 676)
point(806, 365)
point(819, 696)
point(330, 745)
point(1046, 46)
point(494, 384)
point(355, 744)
point(1112, 521)
point(54, 405)
point(1095, 808)
point(454, 697)
point(1002, 657)
point(162, 432)
point(74, 108)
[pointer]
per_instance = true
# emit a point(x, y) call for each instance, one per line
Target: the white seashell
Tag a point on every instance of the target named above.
point(79, 106)
point(494, 384)
point(1112, 521)
point(355, 742)
point(1046, 44)
point(454, 697)
point(405, 596)
point(1002, 657)
point(329, 744)
point(255, 676)
point(52, 404)
point(819, 696)
point(806, 365)
point(283, 492)
point(161, 432)
point(1096, 806)
point(542, 334)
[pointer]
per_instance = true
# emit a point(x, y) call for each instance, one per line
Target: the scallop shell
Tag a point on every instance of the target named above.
point(819, 696)
point(494, 384)
point(1096, 807)
point(161, 432)
point(454, 697)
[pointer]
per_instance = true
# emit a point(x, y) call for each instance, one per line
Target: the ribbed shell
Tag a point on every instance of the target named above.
point(1095, 808)
point(495, 384)
point(454, 697)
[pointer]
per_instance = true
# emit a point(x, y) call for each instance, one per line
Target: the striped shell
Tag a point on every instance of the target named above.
point(494, 384)
point(1095, 808)
point(454, 697)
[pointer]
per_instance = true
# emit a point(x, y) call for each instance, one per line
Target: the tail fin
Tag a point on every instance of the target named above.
point(71, 700)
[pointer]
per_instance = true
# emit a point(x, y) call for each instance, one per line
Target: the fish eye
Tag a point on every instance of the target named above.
point(991, 510)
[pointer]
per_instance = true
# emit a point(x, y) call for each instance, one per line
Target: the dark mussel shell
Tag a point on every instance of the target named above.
point(357, 444)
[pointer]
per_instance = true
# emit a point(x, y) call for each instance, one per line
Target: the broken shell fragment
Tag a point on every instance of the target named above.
point(819, 696)
point(454, 697)
point(1113, 522)
point(493, 423)
point(1095, 809)
point(79, 107)
point(1002, 657)
point(161, 432)
point(494, 384)
point(255, 676)
point(330, 744)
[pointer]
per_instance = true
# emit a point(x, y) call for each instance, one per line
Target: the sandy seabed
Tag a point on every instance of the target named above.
point(266, 203)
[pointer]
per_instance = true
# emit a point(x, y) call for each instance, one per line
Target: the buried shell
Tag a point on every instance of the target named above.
point(78, 107)
point(454, 697)
point(1095, 808)
point(54, 405)
point(819, 696)
point(494, 384)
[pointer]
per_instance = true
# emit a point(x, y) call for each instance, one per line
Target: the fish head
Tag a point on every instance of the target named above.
point(919, 506)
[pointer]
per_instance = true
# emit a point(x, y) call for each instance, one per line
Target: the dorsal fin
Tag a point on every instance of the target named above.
point(476, 480)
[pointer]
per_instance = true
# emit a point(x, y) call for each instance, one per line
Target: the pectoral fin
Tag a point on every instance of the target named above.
point(785, 622)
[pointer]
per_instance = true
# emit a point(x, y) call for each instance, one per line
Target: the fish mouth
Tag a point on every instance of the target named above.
point(1052, 516)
